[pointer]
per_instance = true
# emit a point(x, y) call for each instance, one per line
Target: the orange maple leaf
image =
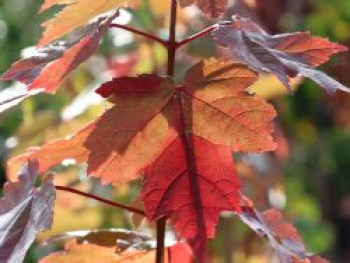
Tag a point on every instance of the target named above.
point(72, 16)
point(145, 119)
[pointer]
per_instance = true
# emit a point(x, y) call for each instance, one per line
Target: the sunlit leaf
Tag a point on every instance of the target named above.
point(50, 65)
point(75, 14)
point(14, 95)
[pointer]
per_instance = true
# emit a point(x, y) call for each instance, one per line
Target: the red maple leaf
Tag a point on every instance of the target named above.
point(210, 113)
point(191, 187)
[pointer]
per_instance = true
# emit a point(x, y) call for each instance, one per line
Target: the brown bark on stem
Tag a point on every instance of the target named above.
point(171, 47)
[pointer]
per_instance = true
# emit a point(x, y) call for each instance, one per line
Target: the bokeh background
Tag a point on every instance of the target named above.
point(308, 178)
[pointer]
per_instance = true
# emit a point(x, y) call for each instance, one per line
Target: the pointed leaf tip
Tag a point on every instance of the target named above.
point(192, 193)
point(284, 55)
point(72, 16)
point(144, 83)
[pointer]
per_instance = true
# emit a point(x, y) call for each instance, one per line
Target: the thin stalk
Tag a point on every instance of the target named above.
point(100, 199)
point(141, 33)
point(195, 36)
point(171, 46)
point(161, 225)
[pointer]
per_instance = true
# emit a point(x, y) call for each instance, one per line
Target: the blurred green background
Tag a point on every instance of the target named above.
point(307, 178)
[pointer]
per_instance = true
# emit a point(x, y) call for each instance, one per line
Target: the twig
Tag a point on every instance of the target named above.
point(100, 199)
point(195, 36)
point(171, 47)
point(141, 33)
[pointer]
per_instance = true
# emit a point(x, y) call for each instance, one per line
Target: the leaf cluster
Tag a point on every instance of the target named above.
point(179, 136)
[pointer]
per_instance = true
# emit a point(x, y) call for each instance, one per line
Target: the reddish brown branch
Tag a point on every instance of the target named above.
point(141, 33)
point(100, 199)
point(195, 36)
point(171, 46)
point(161, 225)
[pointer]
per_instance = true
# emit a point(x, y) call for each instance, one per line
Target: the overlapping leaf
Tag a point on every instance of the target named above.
point(285, 55)
point(192, 188)
point(13, 95)
point(123, 141)
point(75, 14)
point(86, 252)
point(115, 245)
point(151, 118)
point(144, 121)
point(212, 8)
point(24, 210)
point(282, 236)
point(49, 66)
point(120, 239)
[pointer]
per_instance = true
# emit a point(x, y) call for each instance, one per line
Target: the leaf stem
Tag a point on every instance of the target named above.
point(195, 36)
point(141, 33)
point(161, 225)
point(171, 46)
point(100, 199)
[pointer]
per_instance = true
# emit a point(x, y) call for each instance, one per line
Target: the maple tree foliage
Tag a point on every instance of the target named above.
point(212, 8)
point(178, 136)
point(114, 245)
point(24, 210)
point(147, 119)
point(72, 17)
point(282, 236)
point(50, 65)
point(285, 55)
point(86, 252)
point(213, 105)
point(121, 239)
point(178, 186)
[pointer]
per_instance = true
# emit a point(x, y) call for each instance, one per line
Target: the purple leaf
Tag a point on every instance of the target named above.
point(281, 235)
point(285, 55)
point(24, 210)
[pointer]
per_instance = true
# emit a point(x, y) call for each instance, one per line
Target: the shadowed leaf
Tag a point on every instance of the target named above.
point(120, 238)
point(86, 252)
point(285, 55)
point(24, 210)
point(282, 236)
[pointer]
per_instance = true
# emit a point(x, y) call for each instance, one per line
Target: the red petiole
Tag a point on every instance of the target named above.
point(168, 44)
point(100, 199)
point(141, 33)
point(195, 36)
